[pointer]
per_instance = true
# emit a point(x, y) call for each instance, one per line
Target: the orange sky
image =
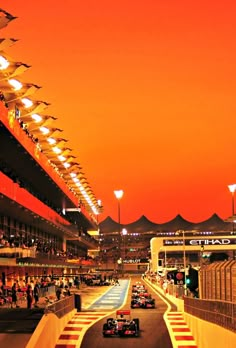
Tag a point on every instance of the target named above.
point(144, 92)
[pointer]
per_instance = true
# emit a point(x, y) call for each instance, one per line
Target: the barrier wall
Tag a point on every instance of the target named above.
point(49, 323)
point(208, 335)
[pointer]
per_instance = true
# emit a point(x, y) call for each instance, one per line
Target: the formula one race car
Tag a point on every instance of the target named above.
point(121, 326)
point(138, 287)
point(142, 302)
point(143, 293)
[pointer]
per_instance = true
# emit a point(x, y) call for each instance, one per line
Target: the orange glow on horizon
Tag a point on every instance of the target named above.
point(144, 92)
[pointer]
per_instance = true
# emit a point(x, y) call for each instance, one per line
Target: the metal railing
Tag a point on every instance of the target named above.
point(217, 312)
point(221, 313)
point(47, 290)
point(61, 307)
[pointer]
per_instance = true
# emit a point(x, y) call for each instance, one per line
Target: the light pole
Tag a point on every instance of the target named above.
point(124, 233)
point(119, 194)
point(232, 189)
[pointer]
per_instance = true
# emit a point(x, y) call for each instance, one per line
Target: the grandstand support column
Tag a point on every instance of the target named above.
point(64, 244)
point(200, 273)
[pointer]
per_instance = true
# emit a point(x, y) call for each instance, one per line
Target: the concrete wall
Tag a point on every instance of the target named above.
point(208, 335)
point(48, 330)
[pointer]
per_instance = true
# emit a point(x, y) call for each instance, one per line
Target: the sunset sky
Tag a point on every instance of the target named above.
point(144, 91)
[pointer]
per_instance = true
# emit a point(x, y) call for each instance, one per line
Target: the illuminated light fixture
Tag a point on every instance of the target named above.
point(66, 165)
point(51, 141)
point(124, 231)
point(56, 149)
point(232, 189)
point(76, 180)
point(61, 158)
point(34, 106)
point(17, 85)
point(44, 130)
point(27, 102)
point(73, 175)
point(119, 193)
point(74, 164)
point(4, 64)
point(37, 118)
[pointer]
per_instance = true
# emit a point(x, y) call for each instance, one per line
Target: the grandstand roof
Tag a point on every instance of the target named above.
point(213, 224)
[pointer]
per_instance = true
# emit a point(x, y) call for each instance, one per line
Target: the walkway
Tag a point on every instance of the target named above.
point(113, 298)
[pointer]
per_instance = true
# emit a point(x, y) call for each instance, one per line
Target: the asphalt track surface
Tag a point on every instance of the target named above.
point(153, 330)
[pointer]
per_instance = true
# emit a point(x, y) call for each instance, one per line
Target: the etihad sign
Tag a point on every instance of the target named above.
point(200, 242)
point(224, 241)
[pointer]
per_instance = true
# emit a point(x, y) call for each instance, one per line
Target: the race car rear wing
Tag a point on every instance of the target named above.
point(123, 312)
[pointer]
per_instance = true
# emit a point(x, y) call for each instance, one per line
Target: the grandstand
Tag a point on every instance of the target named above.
point(48, 212)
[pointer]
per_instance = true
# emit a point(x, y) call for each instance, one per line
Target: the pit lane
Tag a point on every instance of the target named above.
point(153, 331)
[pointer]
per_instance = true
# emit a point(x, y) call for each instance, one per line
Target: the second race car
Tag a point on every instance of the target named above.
point(142, 302)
